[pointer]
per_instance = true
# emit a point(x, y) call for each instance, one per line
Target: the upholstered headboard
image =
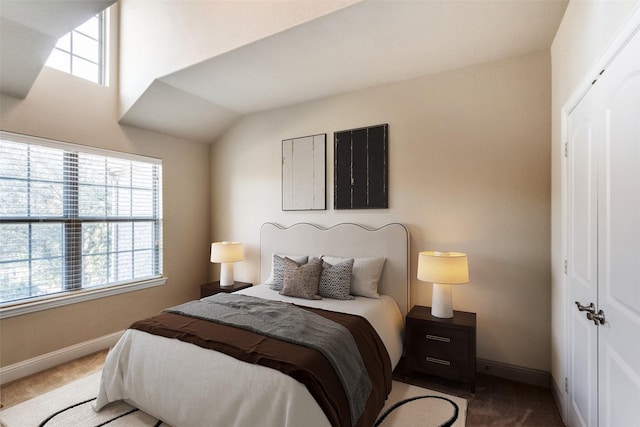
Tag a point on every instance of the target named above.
point(390, 241)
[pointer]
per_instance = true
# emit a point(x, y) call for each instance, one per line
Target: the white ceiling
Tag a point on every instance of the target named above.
point(364, 45)
point(370, 43)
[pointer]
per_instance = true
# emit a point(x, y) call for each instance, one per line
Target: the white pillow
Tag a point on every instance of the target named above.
point(365, 276)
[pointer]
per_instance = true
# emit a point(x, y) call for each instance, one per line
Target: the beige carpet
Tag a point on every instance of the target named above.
point(32, 413)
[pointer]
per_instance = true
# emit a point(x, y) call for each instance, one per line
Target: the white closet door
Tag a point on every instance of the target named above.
point(582, 262)
point(619, 240)
point(603, 247)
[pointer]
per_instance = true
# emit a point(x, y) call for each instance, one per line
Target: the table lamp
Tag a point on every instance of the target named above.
point(443, 269)
point(226, 253)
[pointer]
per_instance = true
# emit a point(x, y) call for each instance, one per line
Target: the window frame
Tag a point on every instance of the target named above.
point(71, 54)
point(71, 295)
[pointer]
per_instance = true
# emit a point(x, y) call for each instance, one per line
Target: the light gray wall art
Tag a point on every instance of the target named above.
point(303, 173)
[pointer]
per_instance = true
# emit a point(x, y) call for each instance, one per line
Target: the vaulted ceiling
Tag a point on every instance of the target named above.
point(355, 45)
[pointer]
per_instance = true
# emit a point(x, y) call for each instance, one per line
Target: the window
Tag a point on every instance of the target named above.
point(74, 218)
point(81, 52)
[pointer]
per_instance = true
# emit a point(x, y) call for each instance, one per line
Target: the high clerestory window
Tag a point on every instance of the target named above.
point(75, 219)
point(82, 52)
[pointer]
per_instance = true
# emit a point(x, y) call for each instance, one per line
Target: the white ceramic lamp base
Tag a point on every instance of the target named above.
point(226, 274)
point(442, 301)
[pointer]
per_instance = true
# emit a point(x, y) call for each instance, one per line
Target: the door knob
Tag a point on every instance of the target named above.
point(590, 308)
point(596, 317)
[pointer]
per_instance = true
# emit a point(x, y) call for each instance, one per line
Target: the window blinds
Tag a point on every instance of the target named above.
point(74, 217)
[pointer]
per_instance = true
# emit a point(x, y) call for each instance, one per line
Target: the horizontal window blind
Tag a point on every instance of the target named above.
point(75, 218)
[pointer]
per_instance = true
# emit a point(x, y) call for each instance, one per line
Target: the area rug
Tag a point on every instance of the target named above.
point(70, 405)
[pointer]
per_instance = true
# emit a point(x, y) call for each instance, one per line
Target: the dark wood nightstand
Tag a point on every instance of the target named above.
point(442, 347)
point(208, 289)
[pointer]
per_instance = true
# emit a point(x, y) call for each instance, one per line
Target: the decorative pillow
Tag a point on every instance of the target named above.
point(365, 276)
point(302, 280)
point(335, 280)
point(276, 280)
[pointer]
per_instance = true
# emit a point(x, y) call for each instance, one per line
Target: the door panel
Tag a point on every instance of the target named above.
point(620, 385)
point(619, 240)
point(582, 272)
point(582, 399)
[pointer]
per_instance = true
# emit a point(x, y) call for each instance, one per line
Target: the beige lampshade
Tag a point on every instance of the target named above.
point(225, 252)
point(450, 268)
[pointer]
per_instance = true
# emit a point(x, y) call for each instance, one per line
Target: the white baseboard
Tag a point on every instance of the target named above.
point(512, 372)
point(55, 358)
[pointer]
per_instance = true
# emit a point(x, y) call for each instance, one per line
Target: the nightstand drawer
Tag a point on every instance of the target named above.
point(444, 347)
point(453, 366)
point(441, 341)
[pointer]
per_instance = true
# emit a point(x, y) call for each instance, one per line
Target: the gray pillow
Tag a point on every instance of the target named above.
point(277, 280)
point(365, 276)
point(335, 280)
point(302, 280)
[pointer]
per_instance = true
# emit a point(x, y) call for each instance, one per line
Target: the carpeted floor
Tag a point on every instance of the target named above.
point(497, 401)
point(34, 385)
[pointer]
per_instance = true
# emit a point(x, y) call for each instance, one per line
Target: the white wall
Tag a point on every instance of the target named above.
point(66, 108)
point(469, 171)
point(587, 30)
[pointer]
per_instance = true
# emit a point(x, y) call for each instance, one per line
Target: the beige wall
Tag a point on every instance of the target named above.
point(68, 109)
point(469, 171)
point(585, 34)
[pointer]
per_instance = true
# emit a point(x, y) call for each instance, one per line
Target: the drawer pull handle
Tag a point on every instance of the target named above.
point(439, 361)
point(437, 338)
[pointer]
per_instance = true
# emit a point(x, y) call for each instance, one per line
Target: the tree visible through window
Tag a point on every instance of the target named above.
point(81, 52)
point(73, 218)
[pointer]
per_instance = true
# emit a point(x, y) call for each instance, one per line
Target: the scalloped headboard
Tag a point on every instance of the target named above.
point(390, 241)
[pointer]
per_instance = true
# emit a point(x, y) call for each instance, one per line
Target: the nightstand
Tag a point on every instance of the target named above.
point(208, 289)
point(442, 347)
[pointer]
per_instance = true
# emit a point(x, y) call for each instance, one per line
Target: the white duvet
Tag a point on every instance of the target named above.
point(186, 385)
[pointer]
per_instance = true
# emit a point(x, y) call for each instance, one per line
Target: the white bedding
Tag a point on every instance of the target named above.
point(200, 387)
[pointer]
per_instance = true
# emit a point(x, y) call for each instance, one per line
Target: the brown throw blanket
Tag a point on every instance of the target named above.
point(304, 364)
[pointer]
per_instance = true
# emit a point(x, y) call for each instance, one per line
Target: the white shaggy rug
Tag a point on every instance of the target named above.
point(70, 405)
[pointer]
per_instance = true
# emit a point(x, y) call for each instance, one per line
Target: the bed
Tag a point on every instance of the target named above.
point(185, 384)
